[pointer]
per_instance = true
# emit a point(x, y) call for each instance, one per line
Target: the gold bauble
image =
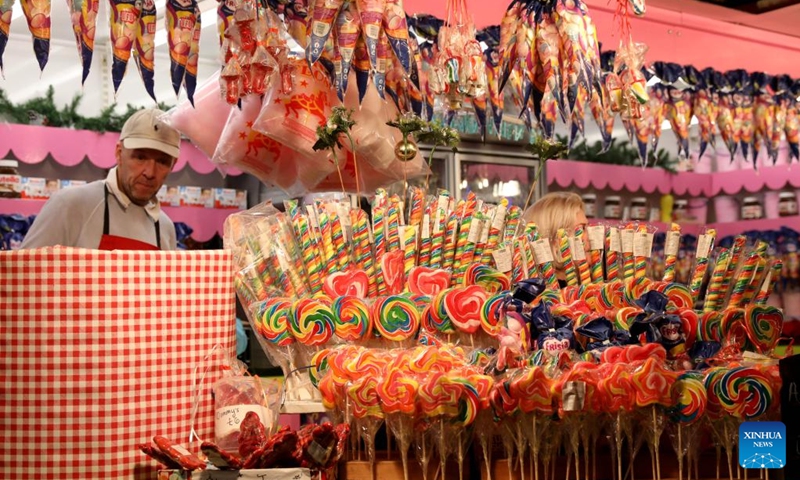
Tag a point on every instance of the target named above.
point(405, 151)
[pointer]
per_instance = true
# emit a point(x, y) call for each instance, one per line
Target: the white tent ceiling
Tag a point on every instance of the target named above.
point(23, 79)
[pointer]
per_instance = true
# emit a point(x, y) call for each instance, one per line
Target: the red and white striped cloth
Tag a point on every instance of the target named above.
point(99, 351)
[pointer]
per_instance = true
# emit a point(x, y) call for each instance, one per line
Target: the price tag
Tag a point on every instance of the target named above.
point(673, 243)
point(474, 231)
point(578, 249)
point(627, 240)
point(484, 231)
point(704, 243)
point(312, 216)
point(542, 251)
point(401, 212)
point(499, 217)
point(597, 237)
point(643, 245)
point(426, 226)
point(615, 245)
point(573, 396)
point(503, 258)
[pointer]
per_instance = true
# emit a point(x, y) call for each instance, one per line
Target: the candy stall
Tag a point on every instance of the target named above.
point(421, 323)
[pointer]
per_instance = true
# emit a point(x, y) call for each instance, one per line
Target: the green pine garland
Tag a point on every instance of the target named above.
point(43, 110)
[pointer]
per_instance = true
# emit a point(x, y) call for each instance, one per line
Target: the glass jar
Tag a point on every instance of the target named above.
point(639, 208)
point(752, 208)
point(787, 204)
point(613, 208)
point(10, 181)
point(680, 209)
point(589, 205)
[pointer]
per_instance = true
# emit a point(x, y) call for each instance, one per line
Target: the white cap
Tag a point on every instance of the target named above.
point(144, 129)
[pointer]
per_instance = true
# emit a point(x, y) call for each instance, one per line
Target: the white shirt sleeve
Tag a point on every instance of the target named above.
point(56, 224)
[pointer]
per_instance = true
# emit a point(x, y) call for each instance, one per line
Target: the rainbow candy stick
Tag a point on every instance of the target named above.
point(736, 254)
point(512, 222)
point(530, 260)
point(761, 248)
point(705, 243)
point(671, 252)
point(518, 263)
point(461, 245)
point(769, 282)
point(437, 243)
point(379, 231)
point(325, 228)
point(583, 266)
point(409, 249)
point(426, 240)
point(758, 278)
point(743, 279)
point(416, 207)
point(483, 239)
point(337, 238)
point(628, 262)
point(612, 257)
point(307, 247)
point(640, 262)
point(543, 253)
point(363, 248)
point(566, 257)
point(450, 241)
point(498, 223)
point(714, 295)
point(392, 231)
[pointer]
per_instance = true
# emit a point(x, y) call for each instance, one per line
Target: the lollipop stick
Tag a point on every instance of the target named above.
point(618, 441)
point(521, 448)
point(728, 451)
point(535, 448)
point(680, 453)
point(656, 443)
point(718, 455)
point(388, 445)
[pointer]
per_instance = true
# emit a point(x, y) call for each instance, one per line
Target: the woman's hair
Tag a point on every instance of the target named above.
point(553, 211)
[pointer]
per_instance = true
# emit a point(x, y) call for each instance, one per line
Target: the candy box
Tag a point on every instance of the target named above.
point(72, 183)
point(35, 188)
point(229, 198)
point(255, 474)
point(196, 197)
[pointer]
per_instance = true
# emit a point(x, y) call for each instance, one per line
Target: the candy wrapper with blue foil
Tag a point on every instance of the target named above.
point(553, 333)
point(602, 334)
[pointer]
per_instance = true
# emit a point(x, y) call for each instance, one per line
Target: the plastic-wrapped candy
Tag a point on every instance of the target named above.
point(742, 103)
point(554, 333)
point(190, 77)
point(722, 97)
point(144, 48)
point(396, 28)
point(231, 81)
point(124, 26)
point(37, 12)
point(5, 24)
point(601, 334)
point(371, 12)
point(323, 17)
point(780, 87)
point(764, 111)
point(348, 28)
point(705, 109)
point(181, 17)
point(202, 124)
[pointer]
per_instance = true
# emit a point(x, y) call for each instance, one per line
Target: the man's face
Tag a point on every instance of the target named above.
point(141, 172)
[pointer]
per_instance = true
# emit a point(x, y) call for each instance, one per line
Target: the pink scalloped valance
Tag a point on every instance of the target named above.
point(583, 175)
point(31, 144)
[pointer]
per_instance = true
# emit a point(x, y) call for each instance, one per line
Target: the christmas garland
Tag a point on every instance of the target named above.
point(44, 111)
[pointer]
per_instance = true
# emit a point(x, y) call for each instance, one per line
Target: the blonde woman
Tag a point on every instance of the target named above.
point(552, 212)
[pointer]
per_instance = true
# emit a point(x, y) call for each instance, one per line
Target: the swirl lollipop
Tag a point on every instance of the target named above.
point(491, 316)
point(745, 393)
point(274, 322)
point(463, 306)
point(438, 314)
point(319, 366)
point(311, 321)
point(689, 398)
point(351, 319)
point(764, 325)
point(396, 318)
point(487, 277)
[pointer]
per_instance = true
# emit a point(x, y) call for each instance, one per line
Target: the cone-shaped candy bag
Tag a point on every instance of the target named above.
point(37, 12)
point(180, 29)
point(124, 25)
point(144, 53)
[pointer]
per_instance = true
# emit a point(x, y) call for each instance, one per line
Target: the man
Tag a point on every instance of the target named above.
point(120, 212)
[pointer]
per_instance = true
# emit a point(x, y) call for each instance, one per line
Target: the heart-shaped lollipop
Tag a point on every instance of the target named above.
point(764, 324)
point(428, 281)
point(353, 283)
point(392, 270)
point(463, 306)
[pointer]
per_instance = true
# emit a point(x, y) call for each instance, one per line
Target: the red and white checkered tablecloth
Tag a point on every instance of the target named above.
point(99, 352)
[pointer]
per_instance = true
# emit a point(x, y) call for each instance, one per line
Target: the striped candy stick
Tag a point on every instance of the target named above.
point(612, 254)
point(640, 261)
point(329, 256)
point(518, 271)
point(705, 243)
point(409, 234)
point(628, 262)
point(671, 248)
point(758, 278)
point(379, 231)
point(464, 227)
point(392, 228)
point(566, 257)
point(496, 231)
point(364, 248)
point(714, 295)
point(437, 241)
point(527, 249)
point(579, 254)
point(480, 247)
point(737, 250)
point(450, 238)
point(416, 208)
point(313, 267)
point(473, 239)
point(744, 277)
point(425, 239)
point(338, 240)
point(512, 223)
point(543, 253)
point(769, 283)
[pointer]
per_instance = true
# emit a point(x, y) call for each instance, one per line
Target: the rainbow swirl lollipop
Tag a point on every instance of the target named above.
point(351, 319)
point(311, 321)
point(319, 365)
point(745, 392)
point(680, 297)
point(712, 383)
point(274, 321)
point(689, 398)
point(490, 279)
point(438, 314)
point(396, 318)
point(764, 324)
point(491, 314)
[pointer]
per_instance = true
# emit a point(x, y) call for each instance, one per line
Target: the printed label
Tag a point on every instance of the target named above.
point(597, 237)
point(503, 258)
point(704, 243)
point(227, 419)
point(673, 243)
point(426, 226)
point(499, 218)
point(615, 244)
point(643, 245)
point(542, 251)
point(578, 249)
point(627, 240)
point(474, 231)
